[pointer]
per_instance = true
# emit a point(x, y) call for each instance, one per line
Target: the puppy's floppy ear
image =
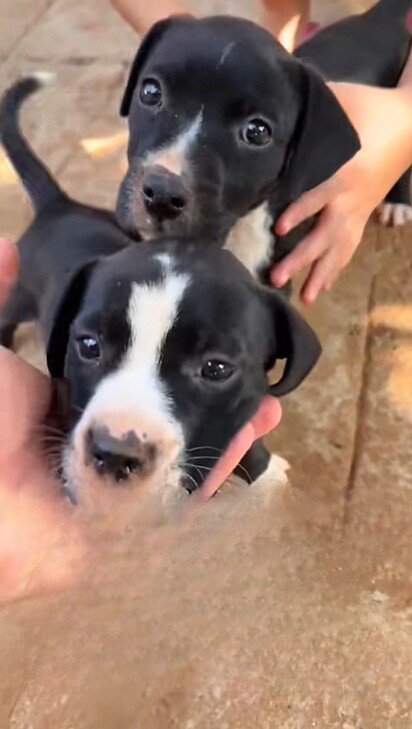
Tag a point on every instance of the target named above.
point(147, 45)
point(66, 311)
point(293, 340)
point(324, 139)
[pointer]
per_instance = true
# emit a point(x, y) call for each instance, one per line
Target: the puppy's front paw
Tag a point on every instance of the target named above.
point(273, 477)
point(394, 214)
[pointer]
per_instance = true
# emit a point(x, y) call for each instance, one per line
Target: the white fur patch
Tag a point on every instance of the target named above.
point(165, 260)
point(251, 239)
point(174, 156)
point(395, 214)
point(226, 52)
point(151, 313)
point(44, 78)
point(275, 474)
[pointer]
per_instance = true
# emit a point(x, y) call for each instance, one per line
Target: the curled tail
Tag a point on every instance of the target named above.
point(36, 178)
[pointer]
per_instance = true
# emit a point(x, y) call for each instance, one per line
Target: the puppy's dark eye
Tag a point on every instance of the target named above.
point(150, 92)
point(257, 132)
point(217, 371)
point(89, 348)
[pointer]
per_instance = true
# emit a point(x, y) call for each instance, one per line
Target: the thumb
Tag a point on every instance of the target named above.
point(25, 397)
point(24, 392)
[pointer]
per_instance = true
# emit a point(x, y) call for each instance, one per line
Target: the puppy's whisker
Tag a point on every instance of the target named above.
point(52, 437)
point(79, 411)
point(202, 448)
point(192, 465)
point(246, 472)
point(198, 467)
point(48, 429)
point(54, 461)
point(217, 458)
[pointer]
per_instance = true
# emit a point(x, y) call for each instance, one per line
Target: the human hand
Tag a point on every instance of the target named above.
point(383, 119)
point(38, 541)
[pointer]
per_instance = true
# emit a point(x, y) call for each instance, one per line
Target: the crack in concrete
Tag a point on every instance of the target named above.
point(361, 408)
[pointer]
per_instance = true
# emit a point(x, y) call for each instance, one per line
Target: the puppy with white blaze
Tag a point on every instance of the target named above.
point(226, 128)
point(166, 346)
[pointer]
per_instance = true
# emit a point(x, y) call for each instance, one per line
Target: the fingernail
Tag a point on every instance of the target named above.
point(279, 280)
point(308, 298)
point(282, 228)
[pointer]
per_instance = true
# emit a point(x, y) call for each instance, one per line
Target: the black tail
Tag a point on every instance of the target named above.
point(37, 180)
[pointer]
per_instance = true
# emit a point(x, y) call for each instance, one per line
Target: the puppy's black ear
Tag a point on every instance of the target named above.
point(66, 311)
point(147, 45)
point(324, 139)
point(293, 340)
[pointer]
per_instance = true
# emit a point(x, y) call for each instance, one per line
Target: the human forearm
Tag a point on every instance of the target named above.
point(142, 15)
point(286, 19)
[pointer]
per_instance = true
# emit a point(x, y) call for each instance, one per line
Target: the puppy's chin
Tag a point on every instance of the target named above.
point(101, 497)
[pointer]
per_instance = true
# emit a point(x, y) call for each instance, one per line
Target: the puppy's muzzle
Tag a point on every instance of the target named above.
point(163, 193)
point(119, 458)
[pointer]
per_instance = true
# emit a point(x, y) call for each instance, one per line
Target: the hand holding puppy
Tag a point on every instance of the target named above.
point(38, 542)
point(383, 119)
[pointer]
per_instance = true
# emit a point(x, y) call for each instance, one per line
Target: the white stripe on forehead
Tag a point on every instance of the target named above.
point(151, 313)
point(134, 397)
point(173, 155)
point(185, 139)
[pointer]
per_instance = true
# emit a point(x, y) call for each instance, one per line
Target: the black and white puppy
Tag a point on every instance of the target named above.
point(166, 346)
point(226, 128)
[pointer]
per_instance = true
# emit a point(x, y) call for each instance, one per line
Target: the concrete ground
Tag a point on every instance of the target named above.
point(291, 615)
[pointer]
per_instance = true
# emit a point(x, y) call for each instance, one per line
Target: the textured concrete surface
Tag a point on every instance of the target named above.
point(292, 614)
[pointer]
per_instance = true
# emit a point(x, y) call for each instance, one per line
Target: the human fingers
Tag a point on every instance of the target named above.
point(327, 268)
point(266, 419)
point(309, 204)
point(305, 254)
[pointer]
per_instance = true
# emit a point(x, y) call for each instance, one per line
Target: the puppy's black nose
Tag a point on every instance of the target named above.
point(163, 193)
point(119, 458)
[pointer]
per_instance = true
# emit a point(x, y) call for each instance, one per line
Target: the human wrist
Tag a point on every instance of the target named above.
point(142, 16)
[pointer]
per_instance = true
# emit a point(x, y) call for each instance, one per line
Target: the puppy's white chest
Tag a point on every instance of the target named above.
point(251, 239)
